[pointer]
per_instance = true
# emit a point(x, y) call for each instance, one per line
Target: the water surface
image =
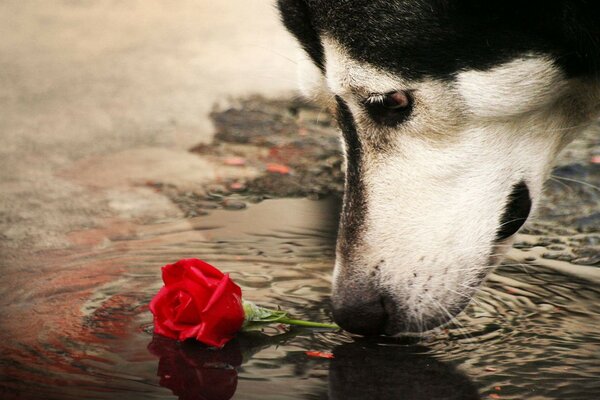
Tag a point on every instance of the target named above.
point(76, 325)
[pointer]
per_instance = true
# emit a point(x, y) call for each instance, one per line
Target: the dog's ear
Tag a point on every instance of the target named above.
point(297, 18)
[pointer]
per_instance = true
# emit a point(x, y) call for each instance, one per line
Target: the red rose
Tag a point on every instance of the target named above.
point(198, 301)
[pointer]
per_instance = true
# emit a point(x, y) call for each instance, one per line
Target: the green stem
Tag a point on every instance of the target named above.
point(309, 324)
point(259, 315)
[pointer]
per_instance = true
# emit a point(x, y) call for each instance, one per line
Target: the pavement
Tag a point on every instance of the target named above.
point(99, 97)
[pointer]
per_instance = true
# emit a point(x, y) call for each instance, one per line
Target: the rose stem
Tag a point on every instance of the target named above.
point(309, 324)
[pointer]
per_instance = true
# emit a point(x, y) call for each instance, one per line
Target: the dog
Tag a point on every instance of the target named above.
point(451, 114)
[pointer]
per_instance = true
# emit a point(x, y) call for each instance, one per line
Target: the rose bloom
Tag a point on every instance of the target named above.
point(198, 301)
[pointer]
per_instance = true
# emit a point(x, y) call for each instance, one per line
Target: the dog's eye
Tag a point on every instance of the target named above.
point(389, 109)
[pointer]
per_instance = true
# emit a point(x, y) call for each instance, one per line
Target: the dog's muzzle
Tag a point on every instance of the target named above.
point(362, 306)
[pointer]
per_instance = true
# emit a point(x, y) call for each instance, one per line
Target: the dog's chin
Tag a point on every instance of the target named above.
point(422, 325)
point(419, 324)
point(418, 327)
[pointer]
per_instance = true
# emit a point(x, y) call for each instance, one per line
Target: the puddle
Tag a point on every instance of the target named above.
point(75, 322)
point(530, 333)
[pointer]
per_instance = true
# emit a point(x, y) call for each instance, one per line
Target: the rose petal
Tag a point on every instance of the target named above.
point(198, 276)
point(216, 334)
point(186, 312)
point(217, 293)
point(320, 354)
point(200, 294)
point(190, 332)
point(172, 310)
point(161, 329)
point(223, 315)
point(278, 168)
point(178, 327)
point(206, 269)
point(172, 273)
point(159, 300)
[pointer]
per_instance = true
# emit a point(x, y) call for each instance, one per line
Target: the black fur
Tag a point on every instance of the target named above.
point(516, 212)
point(438, 38)
point(354, 192)
point(296, 16)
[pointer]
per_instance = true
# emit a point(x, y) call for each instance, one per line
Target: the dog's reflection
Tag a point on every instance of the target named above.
point(362, 370)
point(359, 370)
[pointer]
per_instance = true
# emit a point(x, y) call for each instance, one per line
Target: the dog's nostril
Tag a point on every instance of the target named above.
point(363, 318)
point(388, 305)
point(516, 211)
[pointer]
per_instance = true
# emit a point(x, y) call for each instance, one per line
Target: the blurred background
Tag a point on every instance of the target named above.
point(81, 80)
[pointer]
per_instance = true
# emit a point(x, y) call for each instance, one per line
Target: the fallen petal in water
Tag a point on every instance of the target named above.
point(278, 168)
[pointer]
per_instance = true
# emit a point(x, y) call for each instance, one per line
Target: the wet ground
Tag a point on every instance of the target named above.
point(104, 180)
point(76, 323)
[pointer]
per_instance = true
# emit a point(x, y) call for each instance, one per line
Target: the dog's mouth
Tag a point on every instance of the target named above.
point(413, 323)
point(391, 316)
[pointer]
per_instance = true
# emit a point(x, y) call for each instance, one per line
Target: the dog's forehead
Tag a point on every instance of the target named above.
point(437, 38)
point(425, 38)
point(526, 82)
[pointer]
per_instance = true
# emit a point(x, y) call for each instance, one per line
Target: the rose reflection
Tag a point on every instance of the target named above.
point(193, 371)
point(364, 370)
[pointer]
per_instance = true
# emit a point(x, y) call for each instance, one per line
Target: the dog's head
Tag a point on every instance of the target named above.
point(451, 113)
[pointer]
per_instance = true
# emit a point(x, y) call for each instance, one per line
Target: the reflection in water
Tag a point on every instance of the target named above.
point(359, 370)
point(362, 370)
point(76, 325)
point(195, 372)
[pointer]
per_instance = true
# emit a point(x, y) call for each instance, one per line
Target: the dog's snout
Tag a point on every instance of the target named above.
point(385, 316)
point(516, 211)
point(361, 317)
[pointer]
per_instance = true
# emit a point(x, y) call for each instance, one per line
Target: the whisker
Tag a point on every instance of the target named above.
point(452, 319)
point(273, 51)
point(576, 181)
point(512, 220)
point(523, 266)
point(482, 305)
point(552, 178)
point(323, 109)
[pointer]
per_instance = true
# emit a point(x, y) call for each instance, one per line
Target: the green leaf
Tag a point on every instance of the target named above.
point(256, 316)
point(254, 313)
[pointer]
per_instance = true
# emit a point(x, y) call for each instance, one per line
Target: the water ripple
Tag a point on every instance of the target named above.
point(83, 330)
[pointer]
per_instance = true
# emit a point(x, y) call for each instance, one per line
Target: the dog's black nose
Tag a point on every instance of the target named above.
point(361, 317)
point(516, 211)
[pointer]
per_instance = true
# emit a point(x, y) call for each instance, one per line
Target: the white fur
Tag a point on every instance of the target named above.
point(312, 81)
point(522, 85)
point(434, 212)
point(346, 76)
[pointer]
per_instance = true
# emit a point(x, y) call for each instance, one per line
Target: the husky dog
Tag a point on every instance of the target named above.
point(451, 112)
